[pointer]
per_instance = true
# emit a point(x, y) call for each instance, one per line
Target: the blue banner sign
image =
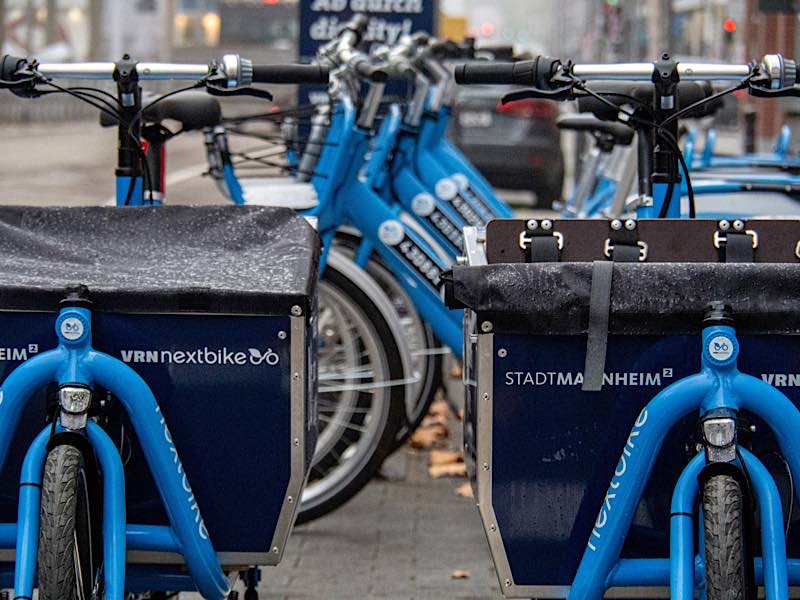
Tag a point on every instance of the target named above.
point(321, 20)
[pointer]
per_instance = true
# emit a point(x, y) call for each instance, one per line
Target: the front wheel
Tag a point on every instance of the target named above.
point(426, 357)
point(69, 560)
point(360, 404)
point(728, 572)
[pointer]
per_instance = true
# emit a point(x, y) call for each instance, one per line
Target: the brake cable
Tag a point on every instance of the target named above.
point(743, 84)
point(114, 115)
point(663, 133)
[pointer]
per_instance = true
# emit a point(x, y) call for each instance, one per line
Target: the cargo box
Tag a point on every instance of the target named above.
point(541, 451)
point(215, 307)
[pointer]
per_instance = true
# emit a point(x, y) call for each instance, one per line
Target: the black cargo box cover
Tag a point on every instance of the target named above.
point(646, 298)
point(218, 259)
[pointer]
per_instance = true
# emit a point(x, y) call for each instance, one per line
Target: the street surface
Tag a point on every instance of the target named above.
point(73, 164)
point(401, 538)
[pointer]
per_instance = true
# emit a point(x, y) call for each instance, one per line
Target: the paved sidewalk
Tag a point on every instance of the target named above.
point(397, 539)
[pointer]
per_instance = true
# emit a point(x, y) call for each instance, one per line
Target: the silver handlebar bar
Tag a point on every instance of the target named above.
point(237, 71)
point(644, 71)
point(782, 72)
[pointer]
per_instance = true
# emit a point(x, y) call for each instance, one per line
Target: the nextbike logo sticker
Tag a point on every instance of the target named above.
point(72, 328)
point(619, 473)
point(423, 204)
point(202, 356)
point(720, 347)
point(446, 189)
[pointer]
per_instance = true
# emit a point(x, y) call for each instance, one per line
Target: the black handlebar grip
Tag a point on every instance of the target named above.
point(502, 73)
point(536, 72)
point(290, 74)
point(9, 65)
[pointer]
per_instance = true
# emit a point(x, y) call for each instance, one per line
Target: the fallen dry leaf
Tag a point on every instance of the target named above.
point(460, 574)
point(444, 457)
point(439, 408)
point(427, 437)
point(449, 470)
point(464, 490)
point(430, 420)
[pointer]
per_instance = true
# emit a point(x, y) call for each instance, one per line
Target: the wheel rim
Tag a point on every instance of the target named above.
point(354, 401)
point(417, 335)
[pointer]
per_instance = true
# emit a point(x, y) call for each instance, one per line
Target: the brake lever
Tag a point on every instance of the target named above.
point(246, 91)
point(792, 91)
point(561, 94)
point(24, 87)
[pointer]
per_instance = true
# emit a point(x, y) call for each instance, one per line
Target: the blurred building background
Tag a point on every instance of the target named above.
point(267, 30)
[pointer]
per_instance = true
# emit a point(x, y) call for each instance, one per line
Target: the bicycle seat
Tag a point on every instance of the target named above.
point(617, 133)
point(624, 93)
point(194, 110)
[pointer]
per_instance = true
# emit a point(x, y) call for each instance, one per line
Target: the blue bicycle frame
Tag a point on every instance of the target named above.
point(345, 197)
point(433, 144)
point(727, 183)
point(130, 192)
point(718, 387)
point(75, 362)
point(779, 157)
point(443, 220)
point(364, 193)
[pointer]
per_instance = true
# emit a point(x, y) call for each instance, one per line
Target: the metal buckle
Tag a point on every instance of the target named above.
point(608, 248)
point(525, 241)
point(720, 239)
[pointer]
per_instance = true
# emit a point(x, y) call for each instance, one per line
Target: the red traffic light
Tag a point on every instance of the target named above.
point(729, 26)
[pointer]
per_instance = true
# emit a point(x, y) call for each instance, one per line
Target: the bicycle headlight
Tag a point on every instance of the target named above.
point(720, 432)
point(74, 400)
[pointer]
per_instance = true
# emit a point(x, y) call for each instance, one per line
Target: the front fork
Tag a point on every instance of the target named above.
point(719, 391)
point(77, 367)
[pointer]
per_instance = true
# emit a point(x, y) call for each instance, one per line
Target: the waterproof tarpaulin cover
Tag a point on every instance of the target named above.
point(545, 298)
point(254, 260)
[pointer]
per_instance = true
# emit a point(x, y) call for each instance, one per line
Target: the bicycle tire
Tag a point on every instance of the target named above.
point(429, 369)
point(726, 552)
point(390, 401)
point(66, 566)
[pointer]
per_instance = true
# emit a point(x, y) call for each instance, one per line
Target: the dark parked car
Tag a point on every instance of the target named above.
point(515, 146)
